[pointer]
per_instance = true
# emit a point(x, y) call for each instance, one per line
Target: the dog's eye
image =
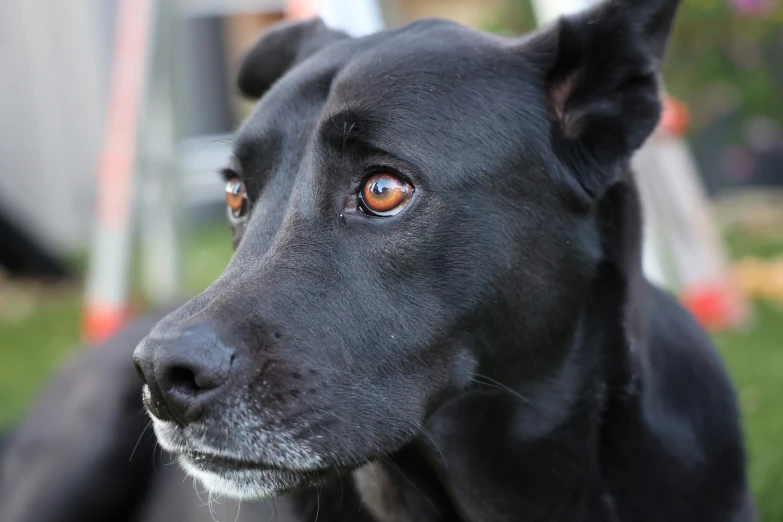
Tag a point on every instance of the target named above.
point(236, 198)
point(384, 194)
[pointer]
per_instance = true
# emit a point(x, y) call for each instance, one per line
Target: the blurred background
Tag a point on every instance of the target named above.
point(75, 235)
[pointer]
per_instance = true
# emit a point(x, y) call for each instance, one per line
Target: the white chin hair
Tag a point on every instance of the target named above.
point(244, 484)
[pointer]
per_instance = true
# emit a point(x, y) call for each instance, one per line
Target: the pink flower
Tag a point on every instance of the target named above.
point(751, 7)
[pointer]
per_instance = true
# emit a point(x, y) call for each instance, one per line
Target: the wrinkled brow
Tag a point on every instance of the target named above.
point(350, 129)
point(256, 155)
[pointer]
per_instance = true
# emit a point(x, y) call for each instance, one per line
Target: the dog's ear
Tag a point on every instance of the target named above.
point(279, 49)
point(601, 71)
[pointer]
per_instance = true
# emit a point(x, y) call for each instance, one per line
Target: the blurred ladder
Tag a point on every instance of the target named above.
point(142, 149)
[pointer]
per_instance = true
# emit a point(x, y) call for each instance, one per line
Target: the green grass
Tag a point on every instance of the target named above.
point(762, 245)
point(34, 344)
point(754, 357)
point(755, 360)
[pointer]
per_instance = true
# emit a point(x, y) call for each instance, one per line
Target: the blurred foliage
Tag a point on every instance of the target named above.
point(726, 56)
point(514, 18)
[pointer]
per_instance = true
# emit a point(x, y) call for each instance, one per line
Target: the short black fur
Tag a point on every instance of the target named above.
point(491, 353)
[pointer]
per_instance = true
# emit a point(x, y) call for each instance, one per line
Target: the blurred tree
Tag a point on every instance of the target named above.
point(725, 62)
point(726, 57)
point(514, 18)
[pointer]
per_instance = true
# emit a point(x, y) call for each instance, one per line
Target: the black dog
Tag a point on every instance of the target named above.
point(437, 287)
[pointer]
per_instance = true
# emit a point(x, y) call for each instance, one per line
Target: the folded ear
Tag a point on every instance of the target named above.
point(601, 78)
point(279, 49)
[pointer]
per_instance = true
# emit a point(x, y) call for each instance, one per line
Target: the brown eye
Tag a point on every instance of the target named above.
point(236, 198)
point(385, 194)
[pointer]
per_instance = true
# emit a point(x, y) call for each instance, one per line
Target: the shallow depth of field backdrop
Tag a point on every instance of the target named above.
point(725, 63)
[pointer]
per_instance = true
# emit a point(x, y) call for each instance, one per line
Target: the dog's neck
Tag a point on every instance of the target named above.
point(610, 327)
point(599, 369)
point(617, 298)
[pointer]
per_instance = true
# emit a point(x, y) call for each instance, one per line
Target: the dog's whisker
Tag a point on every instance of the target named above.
point(429, 436)
point(198, 493)
point(358, 393)
point(211, 512)
point(342, 489)
point(501, 386)
point(138, 441)
point(338, 437)
point(333, 414)
point(346, 134)
point(416, 488)
point(318, 507)
point(239, 509)
point(155, 448)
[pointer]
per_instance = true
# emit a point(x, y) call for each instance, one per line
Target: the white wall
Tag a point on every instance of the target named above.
point(51, 114)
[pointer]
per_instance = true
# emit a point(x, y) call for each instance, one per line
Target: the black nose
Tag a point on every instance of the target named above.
point(186, 370)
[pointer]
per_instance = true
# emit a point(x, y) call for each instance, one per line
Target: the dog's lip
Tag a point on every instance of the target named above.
point(173, 440)
point(217, 462)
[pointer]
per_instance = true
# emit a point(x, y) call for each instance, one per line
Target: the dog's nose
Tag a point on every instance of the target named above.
point(185, 369)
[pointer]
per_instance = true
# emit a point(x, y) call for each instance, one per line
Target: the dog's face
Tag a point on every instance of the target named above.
point(408, 209)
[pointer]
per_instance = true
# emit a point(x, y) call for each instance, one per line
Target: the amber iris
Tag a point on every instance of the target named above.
point(385, 194)
point(236, 198)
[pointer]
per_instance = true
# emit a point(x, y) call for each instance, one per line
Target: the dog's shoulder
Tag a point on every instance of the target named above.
point(686, 378)
point(681, 427)
point(679, 354)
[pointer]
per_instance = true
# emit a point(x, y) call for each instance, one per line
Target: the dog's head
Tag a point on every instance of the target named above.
point(408, 208)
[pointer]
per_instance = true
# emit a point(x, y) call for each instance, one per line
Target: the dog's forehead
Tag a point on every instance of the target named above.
point(427, 52)
point(424, 80)
point(427, 58)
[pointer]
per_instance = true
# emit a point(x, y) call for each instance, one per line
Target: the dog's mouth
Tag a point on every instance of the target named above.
point(248, 480)
point(218, 464)
point(239, 477)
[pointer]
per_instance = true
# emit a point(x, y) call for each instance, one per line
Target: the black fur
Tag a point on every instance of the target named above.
point(491, 353)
